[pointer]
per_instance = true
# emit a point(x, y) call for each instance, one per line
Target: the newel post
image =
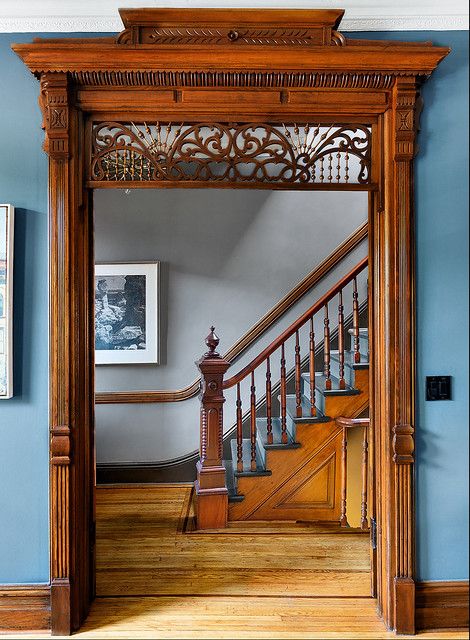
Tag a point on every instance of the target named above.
point(211, 488)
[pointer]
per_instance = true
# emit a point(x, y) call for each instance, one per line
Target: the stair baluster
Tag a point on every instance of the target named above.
point(283, 390)
point(311, 369)
point(357, 355)
point(344, 478)
point(298, 380)
point(269, 417)
point(342, 382)
point(365, 447)
point(253, 423)
point(346, 424)
point(326, 350)
point(239, 431)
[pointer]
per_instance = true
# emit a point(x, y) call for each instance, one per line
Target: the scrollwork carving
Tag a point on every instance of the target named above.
point(228, 152)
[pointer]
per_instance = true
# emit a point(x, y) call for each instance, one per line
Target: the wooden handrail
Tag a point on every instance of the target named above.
point(347, 423)
point(291, 298)
point(280, 340)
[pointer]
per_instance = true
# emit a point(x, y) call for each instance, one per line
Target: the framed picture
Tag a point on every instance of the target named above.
point(6, 300)
point(127, 312)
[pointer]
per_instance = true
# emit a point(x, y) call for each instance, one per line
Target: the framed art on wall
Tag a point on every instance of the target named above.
point(6, 300)
point(127, 311)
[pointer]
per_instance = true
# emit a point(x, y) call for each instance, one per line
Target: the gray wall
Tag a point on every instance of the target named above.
point(227, 257)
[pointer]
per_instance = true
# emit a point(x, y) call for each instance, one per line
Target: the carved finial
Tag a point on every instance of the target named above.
point(212, 341)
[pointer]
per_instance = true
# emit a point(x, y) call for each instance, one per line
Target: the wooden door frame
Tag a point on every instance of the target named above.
point(203, 75)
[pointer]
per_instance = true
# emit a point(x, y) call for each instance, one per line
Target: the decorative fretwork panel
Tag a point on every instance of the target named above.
point(231, 153)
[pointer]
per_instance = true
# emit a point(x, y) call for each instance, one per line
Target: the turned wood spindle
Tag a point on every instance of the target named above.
point(269, 417)
point(283, 396)
point(357, 355)
point(342, 382)
point(239, 431)
point(344, 478)
point(298, 379)
point(253, 423)
point(311, 369)
point(365, 447)
point(326, 350)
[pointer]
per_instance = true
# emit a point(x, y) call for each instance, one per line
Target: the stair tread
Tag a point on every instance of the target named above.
point(320, 381)
point(349, 359)
point(262, 430)
point(233, 496)
point(246, 458)
point(291, 406)
point(363, 332)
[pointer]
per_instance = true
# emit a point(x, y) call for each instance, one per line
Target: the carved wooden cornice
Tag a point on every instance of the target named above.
point(231, 48)
point(222, 27)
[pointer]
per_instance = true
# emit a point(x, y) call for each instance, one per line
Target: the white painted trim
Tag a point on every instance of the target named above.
point(106, 23)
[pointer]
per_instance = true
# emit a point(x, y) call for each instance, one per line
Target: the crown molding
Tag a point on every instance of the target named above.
point(113, 24)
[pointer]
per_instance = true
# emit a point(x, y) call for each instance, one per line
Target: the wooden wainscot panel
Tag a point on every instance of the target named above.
point(236, 98)
point(90, 99)
point(25, 607)
point(442, 605)
point(336, 99)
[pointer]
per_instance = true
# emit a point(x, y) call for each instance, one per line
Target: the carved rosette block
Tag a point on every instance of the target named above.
point(54, 103)
point(211, 489)
point(407, 110)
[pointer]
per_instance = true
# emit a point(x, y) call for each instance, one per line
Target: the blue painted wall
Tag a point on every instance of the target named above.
point(442, 264)
point(24, 474)
point(442, 321)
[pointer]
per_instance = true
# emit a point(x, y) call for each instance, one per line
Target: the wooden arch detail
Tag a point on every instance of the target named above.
point(225, 66)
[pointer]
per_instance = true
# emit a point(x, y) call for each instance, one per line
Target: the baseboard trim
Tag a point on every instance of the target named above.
point(25, 607)
point(441, 605)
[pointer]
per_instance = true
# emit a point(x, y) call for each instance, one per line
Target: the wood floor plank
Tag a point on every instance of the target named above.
point(225, 618)
point(157, 579)
point(142, 550)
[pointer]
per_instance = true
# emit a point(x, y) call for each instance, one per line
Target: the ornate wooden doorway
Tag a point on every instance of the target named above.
point(229, 70)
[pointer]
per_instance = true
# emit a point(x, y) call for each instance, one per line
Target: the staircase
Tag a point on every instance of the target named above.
point(301, 479)
point(289, 463)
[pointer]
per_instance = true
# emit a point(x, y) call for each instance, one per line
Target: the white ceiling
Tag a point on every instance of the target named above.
point(101, 15)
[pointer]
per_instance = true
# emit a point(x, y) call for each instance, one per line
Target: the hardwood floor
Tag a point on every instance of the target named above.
point(143, 550)
point(157, 578)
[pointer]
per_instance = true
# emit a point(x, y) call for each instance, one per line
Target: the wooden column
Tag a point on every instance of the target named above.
point(394, 362)
point(211, 489)
point(71, 363)
point(407, 107)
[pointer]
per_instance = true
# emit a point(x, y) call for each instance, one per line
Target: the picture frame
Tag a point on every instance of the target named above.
point(7, 215)
point(127, 313)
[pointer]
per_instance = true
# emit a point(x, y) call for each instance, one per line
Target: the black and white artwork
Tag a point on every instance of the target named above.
point(6, 300)
point(126, 313)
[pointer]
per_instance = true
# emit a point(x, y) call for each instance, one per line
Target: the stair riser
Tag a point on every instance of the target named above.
point(319, 397)
point(363, 346)
point(291, 427)
point(348, 372)
point(261, 450)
